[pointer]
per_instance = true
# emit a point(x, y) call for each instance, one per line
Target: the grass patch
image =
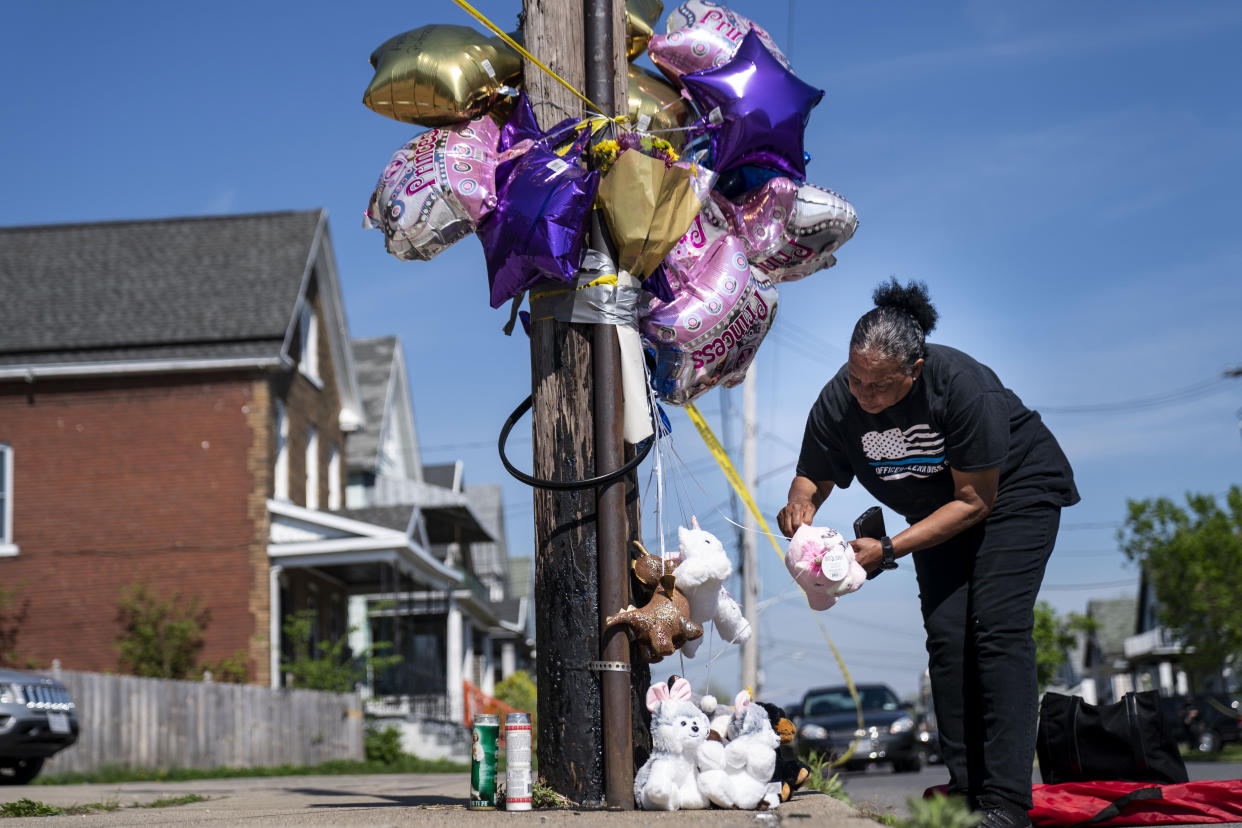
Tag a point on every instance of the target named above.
point(115, 773)
point(1229, 753)
point(819, 780)
point(941, 811)
point(29, 808)
point(32, 808)
point(542, 796)
point(173, 801)
point(94, 808)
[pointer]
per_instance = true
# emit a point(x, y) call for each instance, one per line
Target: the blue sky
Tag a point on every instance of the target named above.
point(1063, 175)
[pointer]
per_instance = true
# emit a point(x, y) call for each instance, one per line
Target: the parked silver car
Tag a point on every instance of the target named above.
point(37, 720)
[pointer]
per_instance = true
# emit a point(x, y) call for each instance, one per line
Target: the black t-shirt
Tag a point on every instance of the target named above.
point(956, 415)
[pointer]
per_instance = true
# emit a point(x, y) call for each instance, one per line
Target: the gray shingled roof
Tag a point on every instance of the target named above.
point(163, 288)
point(389, 517)
point(521, 577)
point(510, 609)
point(1115, 620)
point(440, 474)
point(490, 558)
point(373, 365)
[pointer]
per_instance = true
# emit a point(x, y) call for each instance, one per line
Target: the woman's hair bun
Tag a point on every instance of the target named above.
point(911, 299)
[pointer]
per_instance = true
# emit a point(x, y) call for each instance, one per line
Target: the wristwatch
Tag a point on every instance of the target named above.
point(889, 561)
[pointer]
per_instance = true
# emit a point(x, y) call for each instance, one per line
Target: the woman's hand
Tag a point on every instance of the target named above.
point(805, 498)
point(796, 513)
point(868, 553)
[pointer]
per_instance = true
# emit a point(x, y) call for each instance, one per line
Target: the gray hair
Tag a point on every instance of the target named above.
point(897, 327)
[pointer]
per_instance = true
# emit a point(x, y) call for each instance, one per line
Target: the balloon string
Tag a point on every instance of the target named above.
point(660, 437)
point(478, 15)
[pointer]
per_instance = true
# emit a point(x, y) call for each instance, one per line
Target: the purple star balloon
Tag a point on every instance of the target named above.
point(763, 110)
point(537, 229)
point(523, 124)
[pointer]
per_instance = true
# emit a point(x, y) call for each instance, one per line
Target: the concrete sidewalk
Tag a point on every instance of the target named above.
point(377, 800)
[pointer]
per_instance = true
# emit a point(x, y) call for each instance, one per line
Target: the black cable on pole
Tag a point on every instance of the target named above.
point(644, 448)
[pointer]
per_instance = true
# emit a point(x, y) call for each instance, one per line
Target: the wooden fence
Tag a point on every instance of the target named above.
point(158, 723)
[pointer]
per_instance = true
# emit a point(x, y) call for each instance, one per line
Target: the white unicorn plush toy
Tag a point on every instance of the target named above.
point(703, 568)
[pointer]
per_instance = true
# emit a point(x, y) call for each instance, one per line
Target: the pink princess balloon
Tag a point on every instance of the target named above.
point(436, 189)
point(760, 217)
point(711, 330)
point(703, 34)
point(820, 223)
point(707, 228)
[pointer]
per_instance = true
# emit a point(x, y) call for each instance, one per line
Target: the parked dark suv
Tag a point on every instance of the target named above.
point(828, 725)
point(1205, 722)
point(37, 720)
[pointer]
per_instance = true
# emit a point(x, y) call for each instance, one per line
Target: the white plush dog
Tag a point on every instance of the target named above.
point(738, 774)
point(668, 780)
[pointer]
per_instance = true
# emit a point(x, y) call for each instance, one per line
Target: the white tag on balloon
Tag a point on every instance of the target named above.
point(487, 67)
point(834, 564)
point(644, 121)
point(557, 166)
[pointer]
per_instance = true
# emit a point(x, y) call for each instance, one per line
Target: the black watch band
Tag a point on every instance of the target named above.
point(889, 561)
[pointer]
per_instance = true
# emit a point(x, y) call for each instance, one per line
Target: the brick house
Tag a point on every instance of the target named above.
point(177, 401)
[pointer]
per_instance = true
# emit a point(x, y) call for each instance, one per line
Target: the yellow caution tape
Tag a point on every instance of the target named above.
point(722, 458)
point(735, 480)
point(479, 16)
point(606, 279)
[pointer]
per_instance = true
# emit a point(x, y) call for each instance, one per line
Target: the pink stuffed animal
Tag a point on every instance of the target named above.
point(823, 564)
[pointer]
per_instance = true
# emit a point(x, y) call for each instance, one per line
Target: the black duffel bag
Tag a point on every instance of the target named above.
point(1126, 740)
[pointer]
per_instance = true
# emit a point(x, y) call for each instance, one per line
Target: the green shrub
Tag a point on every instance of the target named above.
point(326, 665)
point(383, 744)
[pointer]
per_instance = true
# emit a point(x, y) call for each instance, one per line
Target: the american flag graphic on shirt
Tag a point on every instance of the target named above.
point(917, 451)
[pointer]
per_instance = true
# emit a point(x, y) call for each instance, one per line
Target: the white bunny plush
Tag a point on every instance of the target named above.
point(738, 773)
point(668, 780)
point(703, 568)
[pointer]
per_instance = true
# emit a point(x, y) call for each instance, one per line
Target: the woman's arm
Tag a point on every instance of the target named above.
point(973, 496)
point(805, 498)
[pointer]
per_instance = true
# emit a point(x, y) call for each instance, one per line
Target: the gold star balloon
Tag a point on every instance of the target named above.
point(640, 20)
point(662, 105)
point(439, 75)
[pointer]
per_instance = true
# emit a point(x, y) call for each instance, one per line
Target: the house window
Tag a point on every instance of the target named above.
point(280, 473)
point(334, 477)
point(310, 342)
point(7, 547)
point(312, 468)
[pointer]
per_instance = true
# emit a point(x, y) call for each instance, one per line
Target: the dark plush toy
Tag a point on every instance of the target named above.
point(790, 771)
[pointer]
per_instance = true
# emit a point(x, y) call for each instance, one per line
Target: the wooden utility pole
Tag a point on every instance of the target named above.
point(585, 693)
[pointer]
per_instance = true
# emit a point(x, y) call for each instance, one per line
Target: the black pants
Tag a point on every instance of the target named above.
point(978, 598)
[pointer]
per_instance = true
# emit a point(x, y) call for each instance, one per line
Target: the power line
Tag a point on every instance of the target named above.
point(1179, 395)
